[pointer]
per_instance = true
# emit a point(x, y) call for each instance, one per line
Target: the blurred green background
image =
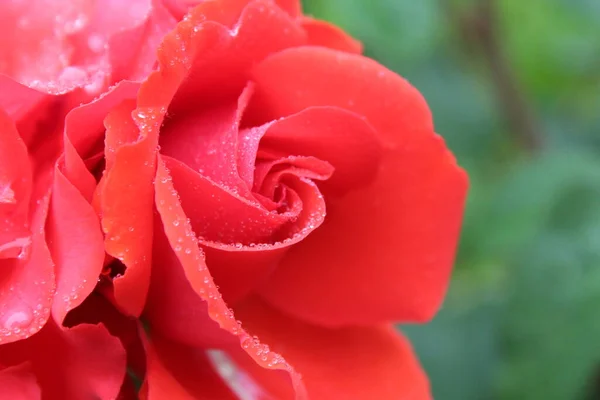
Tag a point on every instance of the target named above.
point(514, 86)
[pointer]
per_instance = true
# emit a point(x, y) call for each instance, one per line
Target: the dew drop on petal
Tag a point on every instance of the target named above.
point(7, 195)
point(96, 43)
point(18, 318)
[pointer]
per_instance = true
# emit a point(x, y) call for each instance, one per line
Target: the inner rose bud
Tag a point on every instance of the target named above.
point(284, 171)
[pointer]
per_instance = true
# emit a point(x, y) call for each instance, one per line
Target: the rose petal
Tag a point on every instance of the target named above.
point(292, 7)
point(225, 12)
point(323, 33)
point(179, 372)
point(15, 190)
point(227, 9)
point(137, 25)
point(357, 363)
point(19, 383)
point(232, 219)
point(174, 310)
point(85, 131)
point(35, 47)
point(207, 141)
point(76, 245)
point(404, 226)
point(272, 175)
point(179, 233)
point(257, 237)
point(214, 59)
point(79, 363)
point(127, 220)
point(302, 77)
point(27, 283)
point(173, 307)
point(178, 8)
point(335, 135)
point(122, 213)
point(97, 309)
point(17, 100)
point(65, 45)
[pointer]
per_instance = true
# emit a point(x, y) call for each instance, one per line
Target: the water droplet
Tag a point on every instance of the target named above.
point(75, 25)
point(96, 43)
point(18, 318)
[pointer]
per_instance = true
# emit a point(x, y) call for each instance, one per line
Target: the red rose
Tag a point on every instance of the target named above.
point(151, 180)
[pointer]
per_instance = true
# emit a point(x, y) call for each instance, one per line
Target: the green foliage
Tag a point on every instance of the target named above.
point(522, 320)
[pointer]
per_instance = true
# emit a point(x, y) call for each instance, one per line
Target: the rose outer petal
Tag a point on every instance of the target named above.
point(354, 363)
point(19, 383)
point(61, 46)
point(180, 7)
point(27, 283)
point(96, 309)
point(138, 27)
point(35, 48)
point(131, 148)
point(385, 252)
point(208, 56)
point(17, 100)
point(76, 245)
point(323, 33)
point(83, 362)
point(15, 190)
point(292, 7)
point(175, 371)
point(73, 228)
point(180, 235)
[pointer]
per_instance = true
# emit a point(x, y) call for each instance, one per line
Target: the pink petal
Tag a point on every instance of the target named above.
point(61, 46)
point(15, 190)
point(78, 363)
point(19, 383)
point(27, 283)
point(76, 245)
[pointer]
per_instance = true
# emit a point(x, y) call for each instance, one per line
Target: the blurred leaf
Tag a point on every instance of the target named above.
point(520, 207)
point(397, 33)
point(549, 44)
point(553, 330)
point(463, 110)
point(553, 322)
point(459, 348)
